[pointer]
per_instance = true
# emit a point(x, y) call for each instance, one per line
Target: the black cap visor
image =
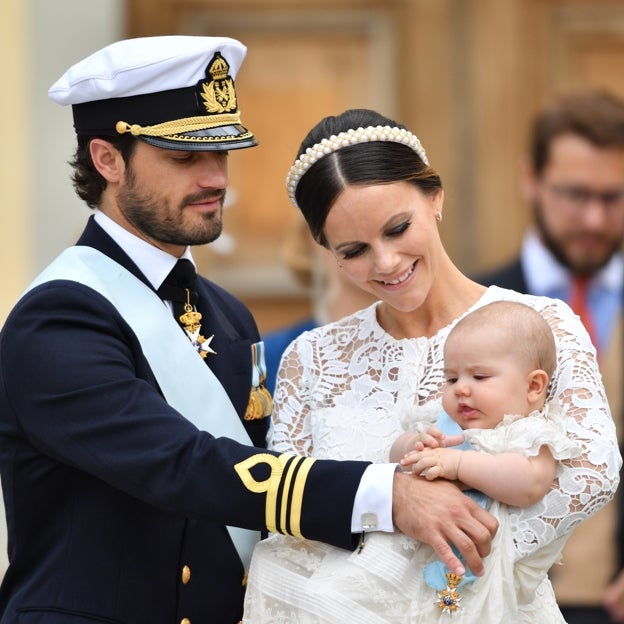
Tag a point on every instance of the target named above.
point(220, 138)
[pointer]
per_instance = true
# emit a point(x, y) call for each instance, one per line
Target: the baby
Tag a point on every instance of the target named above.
point(497, 364)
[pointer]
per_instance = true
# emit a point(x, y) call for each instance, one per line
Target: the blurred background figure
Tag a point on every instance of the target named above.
point(574, 180)
point(332, 294)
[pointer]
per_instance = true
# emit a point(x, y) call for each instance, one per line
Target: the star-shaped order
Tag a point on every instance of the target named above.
point(201, 344)
point(449, 598)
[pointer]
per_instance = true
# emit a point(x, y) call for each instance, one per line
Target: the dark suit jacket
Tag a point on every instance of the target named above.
point(508, 276)
point(109, 492)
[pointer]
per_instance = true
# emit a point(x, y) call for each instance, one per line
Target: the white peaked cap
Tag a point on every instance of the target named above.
point(173, 91)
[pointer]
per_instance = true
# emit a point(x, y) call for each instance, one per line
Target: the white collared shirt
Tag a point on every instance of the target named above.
point(546, 276)
point(154, 263)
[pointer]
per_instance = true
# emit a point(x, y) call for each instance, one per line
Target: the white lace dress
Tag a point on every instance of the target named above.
point(341, 391)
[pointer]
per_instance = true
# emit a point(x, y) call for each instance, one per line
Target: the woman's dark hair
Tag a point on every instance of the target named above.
point(375, 162)
point(88, 182)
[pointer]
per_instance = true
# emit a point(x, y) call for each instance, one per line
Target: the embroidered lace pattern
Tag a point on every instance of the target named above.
point(340, 393)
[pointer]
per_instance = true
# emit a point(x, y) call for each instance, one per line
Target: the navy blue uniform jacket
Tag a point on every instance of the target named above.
point(116, 504)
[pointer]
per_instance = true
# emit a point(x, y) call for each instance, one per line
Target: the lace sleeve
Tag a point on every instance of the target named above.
point(587, 482)
point(290, 431)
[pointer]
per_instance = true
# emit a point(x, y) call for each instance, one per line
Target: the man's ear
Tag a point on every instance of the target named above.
point(107, 159)
point(538, 383)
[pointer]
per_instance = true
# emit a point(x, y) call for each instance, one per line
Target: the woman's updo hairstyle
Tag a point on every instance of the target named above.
point(362, 160)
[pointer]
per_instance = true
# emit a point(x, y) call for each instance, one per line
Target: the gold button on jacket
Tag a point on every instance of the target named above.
point(186, 574)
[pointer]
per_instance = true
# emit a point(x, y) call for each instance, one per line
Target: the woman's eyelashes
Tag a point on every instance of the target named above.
point(399, 229)
point(354, 252)
point(392, 232)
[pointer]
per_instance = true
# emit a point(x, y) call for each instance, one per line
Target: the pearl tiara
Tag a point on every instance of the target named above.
point(350, 137)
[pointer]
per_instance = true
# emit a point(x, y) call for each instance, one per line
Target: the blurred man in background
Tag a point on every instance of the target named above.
point(574, 179)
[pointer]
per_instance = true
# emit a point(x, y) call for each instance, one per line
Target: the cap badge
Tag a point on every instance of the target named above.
point(218, 95)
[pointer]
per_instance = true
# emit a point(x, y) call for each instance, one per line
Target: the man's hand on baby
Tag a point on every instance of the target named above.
point(439, 514)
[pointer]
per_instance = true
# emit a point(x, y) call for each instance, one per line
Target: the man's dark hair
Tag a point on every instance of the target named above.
point(594, 115)
point(88, 182)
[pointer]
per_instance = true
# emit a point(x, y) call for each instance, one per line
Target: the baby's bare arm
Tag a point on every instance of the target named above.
point(510, 478)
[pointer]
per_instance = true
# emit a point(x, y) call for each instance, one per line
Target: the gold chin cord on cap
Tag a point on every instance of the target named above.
point(344, 139)
point(190, 319)
point(179, 126)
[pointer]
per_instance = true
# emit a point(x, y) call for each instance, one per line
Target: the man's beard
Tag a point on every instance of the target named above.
point(586, 266)
point(158, 221)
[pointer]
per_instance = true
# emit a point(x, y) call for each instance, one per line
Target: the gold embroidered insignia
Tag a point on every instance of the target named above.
point(219, 95)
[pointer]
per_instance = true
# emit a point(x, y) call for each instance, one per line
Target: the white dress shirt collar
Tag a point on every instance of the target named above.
point(154, 263)
point(544, 274)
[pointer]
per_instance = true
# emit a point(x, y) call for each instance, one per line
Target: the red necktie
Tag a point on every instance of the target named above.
point(578, 303)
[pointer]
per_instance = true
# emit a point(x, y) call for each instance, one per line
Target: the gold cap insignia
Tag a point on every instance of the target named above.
point(218, 95)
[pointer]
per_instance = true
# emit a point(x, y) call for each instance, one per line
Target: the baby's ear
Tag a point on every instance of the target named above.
point(538, 383)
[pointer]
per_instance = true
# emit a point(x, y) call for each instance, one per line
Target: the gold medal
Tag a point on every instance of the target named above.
point(260, 403)
point(255, 408)
point(449, 598)
point(190, 319)
point(190, 322)
point(260, 400)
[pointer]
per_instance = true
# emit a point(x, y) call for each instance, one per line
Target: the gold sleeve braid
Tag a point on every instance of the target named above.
point(284, 488)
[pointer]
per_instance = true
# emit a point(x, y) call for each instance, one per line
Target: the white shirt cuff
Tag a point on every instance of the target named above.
point(374, 496)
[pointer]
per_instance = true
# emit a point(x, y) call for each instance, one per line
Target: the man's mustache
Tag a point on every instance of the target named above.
point(206, 195)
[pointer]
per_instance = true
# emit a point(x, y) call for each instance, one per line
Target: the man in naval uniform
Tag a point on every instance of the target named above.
point(132, 411)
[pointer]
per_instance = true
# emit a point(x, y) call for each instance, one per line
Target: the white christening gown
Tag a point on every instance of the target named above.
point(343, 392)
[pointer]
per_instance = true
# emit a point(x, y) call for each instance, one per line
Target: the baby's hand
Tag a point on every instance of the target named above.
point(433, 463)
point(434, 438)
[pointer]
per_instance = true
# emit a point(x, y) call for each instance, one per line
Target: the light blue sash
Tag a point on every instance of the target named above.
point(166, 348)
point(434, 573)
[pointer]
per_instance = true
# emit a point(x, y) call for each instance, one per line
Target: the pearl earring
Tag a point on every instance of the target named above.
point(439, 216)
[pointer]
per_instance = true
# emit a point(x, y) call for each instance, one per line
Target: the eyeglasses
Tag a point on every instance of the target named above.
point(577, 198)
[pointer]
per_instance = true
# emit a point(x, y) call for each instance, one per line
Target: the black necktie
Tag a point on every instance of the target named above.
point(179, 287)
